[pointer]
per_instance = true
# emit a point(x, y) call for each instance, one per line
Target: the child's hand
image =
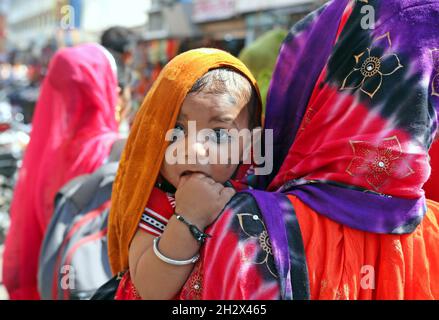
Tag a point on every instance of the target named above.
point(200, 199)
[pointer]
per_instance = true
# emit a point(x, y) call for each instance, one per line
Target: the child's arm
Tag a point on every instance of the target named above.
point(199, 199)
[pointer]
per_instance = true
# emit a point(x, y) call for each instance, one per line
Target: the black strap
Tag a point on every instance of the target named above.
point(109, 289)
point(299, 267)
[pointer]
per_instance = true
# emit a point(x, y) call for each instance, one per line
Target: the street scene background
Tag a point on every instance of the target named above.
point(32, 31)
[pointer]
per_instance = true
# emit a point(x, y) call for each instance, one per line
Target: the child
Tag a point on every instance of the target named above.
point(158, 244)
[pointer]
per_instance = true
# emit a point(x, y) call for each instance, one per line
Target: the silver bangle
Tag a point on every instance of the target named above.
point(173, 262)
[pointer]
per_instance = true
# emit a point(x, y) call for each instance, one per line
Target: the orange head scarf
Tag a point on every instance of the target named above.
point(146, 146)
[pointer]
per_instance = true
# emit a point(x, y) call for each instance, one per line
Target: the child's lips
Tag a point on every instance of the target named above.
point(188, 173)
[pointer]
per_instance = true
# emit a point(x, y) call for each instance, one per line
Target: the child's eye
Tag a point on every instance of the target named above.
point(177, 133)
point(221, 136)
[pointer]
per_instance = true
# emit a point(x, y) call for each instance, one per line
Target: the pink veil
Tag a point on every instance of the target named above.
point(74, 128)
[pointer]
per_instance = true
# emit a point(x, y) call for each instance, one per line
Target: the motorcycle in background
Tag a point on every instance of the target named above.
point(14, 137)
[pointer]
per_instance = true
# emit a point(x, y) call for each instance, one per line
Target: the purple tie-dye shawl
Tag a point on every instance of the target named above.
point(411, 28)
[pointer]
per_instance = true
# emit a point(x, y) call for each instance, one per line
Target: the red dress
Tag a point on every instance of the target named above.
point(160, 208)
point(431, 187)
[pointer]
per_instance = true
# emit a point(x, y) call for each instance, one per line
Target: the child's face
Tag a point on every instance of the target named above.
point(218, 112)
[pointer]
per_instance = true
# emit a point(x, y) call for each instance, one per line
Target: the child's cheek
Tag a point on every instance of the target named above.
point(223, 172)
point(169, 173)
point(230, 154)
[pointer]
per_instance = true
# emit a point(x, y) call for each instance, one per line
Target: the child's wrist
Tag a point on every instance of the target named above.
point(195, 231)
point(177, 242)
point(199, 221)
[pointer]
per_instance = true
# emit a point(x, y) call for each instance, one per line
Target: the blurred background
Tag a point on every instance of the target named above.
point(31, 31)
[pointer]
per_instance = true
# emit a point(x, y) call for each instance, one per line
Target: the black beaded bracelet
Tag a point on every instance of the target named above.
point(199, 235)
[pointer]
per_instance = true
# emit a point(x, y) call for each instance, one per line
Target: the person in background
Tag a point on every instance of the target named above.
point(119, 42)
point(74, 129)
point(260, 57)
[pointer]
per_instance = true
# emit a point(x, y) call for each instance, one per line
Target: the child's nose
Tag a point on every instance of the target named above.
point(197, 148)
